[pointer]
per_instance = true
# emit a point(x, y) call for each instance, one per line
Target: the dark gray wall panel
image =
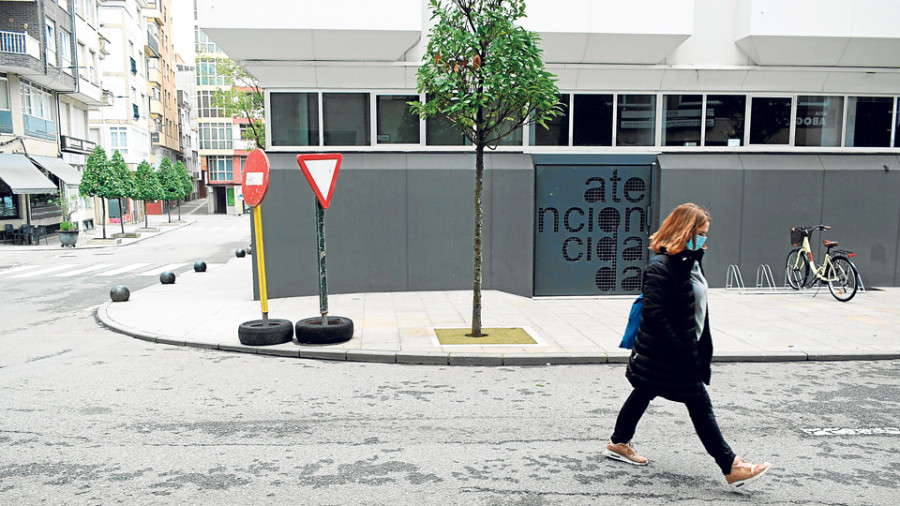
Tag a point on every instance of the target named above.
point(512, 230)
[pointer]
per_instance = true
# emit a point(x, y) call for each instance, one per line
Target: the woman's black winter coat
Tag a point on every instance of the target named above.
point(667, 359)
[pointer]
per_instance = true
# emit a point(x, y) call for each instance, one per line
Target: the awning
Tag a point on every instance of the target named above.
point(22, 176)
point(59, 168)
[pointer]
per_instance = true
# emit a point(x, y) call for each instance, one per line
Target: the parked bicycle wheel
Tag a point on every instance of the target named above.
point(842, 278)
point(796, 269)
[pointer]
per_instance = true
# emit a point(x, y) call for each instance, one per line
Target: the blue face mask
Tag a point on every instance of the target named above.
point(701, 240)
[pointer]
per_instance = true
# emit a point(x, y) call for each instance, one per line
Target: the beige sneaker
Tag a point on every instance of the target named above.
point(624, 452)
point(743, 473)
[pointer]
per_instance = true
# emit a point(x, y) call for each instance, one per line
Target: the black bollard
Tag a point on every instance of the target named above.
point(119, 293)
point(200, 266)
point(240, 253)
point(167, 278)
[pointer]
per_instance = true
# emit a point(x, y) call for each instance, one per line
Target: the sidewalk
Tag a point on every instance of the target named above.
point(204, 310)
point(94, 238)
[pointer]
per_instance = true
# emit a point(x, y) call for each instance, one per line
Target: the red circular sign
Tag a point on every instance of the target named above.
point(256, 178)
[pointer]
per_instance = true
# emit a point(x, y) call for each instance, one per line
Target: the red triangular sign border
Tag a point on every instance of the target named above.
point(325, 200)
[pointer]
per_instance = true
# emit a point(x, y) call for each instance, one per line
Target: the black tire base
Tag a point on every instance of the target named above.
point(311, 330)
point(256, 333)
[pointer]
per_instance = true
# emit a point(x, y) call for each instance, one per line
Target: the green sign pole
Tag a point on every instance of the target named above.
point(320, 241)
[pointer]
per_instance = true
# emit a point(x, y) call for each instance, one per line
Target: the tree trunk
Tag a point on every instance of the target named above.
point(146, 218)
point(179, 210)
point(479, 224)
point(103, 205)
point(121, 216)
point(169, 211)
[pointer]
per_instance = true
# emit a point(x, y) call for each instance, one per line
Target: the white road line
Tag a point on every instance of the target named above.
point(48, 270)
point(123, 270)
point(159, 270)
point(84, 270)
point(19, 269)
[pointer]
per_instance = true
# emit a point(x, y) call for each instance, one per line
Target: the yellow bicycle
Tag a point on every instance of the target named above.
point(836, 270)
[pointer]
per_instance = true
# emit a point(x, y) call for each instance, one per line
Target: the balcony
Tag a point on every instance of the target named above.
point(154, 75)
point(815, 33)
point(610, 32)
point(156, 107)
point(269, 45)
point(152, 46)
point(14, 45)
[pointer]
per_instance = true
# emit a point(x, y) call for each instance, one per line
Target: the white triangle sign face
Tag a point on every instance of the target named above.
point(321, 171)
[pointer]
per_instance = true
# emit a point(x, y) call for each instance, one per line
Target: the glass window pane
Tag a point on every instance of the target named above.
point(897, 127)
point(295, 119)
point(4, 94)
point(592, 120)
point(346, 119)
point(513, 139)
point(397, 124)
point(869, 121)
point(725, 120)
point(557, 131)
point(637, 120)
point(770, 120)
point(681, 120)
point(819, 121)
point(439, 131)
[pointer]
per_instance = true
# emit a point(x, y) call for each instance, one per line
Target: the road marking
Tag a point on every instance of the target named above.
point(84, 270)
point(858, 431)
point(47, 270)
point(159, 270)
point(123, 270)
point(18, 269)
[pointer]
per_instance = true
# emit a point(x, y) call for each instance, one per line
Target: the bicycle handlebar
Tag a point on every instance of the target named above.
point(809, 230)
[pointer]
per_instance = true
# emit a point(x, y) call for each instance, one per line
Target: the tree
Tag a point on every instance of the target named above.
point(169, 182)
point(484, 74)
point(244, 99)
point(147, 187)
point(122, 186)
point(187, 185)
point(67, 204)
point(96, 180)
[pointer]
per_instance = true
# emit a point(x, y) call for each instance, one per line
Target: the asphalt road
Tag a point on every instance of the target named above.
point(88, 416)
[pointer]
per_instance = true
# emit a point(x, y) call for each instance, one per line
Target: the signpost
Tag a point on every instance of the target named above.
point(321, 171)
point(254, 187)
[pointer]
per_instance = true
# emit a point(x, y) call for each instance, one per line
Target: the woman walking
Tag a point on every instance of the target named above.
point(673, 349)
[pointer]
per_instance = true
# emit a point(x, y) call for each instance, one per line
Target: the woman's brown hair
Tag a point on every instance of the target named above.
point(678, 228)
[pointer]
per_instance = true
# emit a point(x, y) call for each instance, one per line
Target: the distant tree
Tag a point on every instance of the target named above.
point(147, 187)
point(169, 182)
point(187, 185)
point(243, 100)
point(484, 73)
point(96, 181)
point(122, 186)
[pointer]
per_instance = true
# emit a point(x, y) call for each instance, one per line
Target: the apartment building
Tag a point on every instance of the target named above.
point(50, 52)
point(772, 114)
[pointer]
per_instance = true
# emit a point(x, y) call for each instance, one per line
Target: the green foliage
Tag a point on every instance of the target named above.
point(244, 100)
point(66, 226)
point(67, 205)
point(168, 180)
point(121, 181)
point(148, 187)
point(95, 181)
point(483, 72)
point(187, 185)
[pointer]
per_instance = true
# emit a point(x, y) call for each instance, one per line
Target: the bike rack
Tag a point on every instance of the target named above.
point(732, 276)
point(765, 281)
point(764, 275)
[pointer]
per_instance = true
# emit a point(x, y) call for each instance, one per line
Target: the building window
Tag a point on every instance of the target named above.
point(215, 136)
point(439, 131)
point(207, 108)
point(819, 121)
point(5, 112)
point(869, 121)
point(37, 110)
point(637, 120)
point(770, 120)
point(220, 168)
point(397, 124)
point(557, 131)
point(65, 50)
point(9, 202)
point(345, 118)
point(203, 44)
point(118, 139)
point(295, 119)
point(592, 120)
point(682, 120)
point(725, 120)
point(51, 41)
point(207, 74)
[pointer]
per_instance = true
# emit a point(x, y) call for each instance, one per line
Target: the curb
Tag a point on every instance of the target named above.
point(467, 358)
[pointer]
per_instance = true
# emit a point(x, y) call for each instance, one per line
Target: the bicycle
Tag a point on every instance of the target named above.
point(836, 270)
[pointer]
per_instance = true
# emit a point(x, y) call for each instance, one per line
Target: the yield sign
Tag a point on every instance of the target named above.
point(321, 171)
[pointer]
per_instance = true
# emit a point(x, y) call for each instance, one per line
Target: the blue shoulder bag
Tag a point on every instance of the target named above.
point(634, 321)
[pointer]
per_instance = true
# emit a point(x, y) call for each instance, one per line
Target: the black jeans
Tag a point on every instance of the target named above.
point(702, 415)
